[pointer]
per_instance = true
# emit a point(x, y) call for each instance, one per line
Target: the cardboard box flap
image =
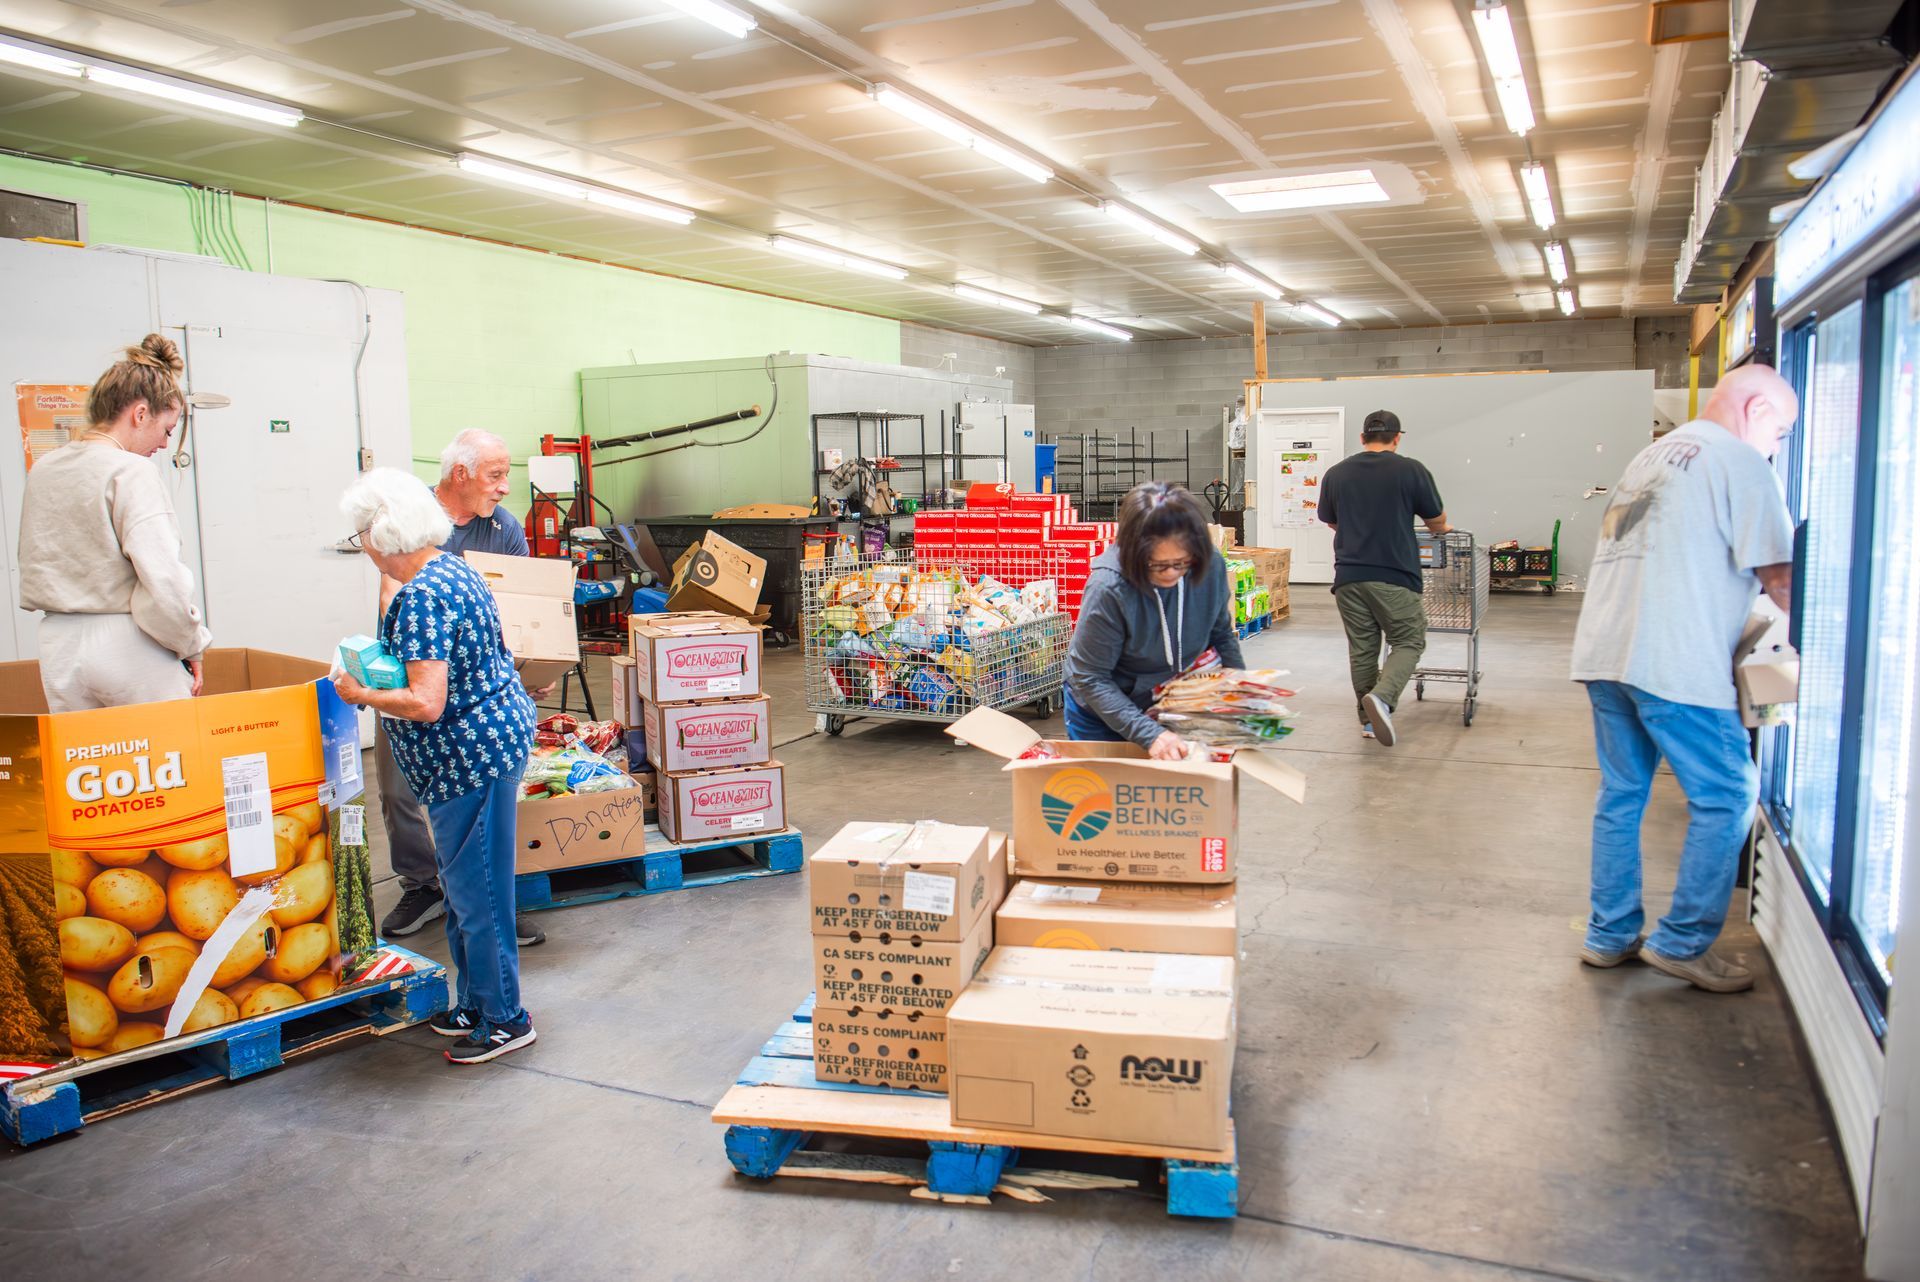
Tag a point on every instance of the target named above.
point(994, 731)
point(533, 576)
point(1270, 770)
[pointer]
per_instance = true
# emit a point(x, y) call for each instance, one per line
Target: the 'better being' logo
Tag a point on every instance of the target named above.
point(1076, 804)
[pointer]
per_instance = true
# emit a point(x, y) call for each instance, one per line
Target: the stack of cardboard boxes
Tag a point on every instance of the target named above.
point(1107, 1011)
point(1004, 532)
point(902, 916)
point(691, 682)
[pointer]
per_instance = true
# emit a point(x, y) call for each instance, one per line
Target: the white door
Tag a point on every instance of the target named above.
point(1021, 467)
point(267, 471)
point(1293, 449)
point(982, 440)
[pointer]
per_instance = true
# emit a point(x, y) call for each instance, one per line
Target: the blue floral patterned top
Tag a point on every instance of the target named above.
point(446, 613)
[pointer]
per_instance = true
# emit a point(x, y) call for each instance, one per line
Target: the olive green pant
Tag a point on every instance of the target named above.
point(1373, 612)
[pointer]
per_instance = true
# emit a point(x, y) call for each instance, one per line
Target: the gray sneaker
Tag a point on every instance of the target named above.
point(1607, 961)
point(1380, 717)
point(1706, 971)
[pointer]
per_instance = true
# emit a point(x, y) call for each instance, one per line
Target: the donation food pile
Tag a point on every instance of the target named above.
point(1224, 707)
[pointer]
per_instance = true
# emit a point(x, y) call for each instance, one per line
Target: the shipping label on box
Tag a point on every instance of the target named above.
point(534, 597)
point(171, 858)
point(880, 970)
point(880, 1048)
point(1104, 811)
point(737, 801)
point(927, 880)
point(706, 656)
point(1128, 1047)
point(1120, 917)
point(715, 732)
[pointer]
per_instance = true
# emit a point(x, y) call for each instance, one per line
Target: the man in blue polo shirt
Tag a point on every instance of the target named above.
point(474, 472)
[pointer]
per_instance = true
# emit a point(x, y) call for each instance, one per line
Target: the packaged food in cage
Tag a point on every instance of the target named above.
point(934, 689)
point(841, 618)
point(874, 614)
point(958, 663)
point(1042, 596)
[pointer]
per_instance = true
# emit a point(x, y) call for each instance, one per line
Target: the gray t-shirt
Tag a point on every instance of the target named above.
point(1673, 576)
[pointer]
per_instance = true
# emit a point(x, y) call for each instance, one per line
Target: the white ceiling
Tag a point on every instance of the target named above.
point(1132, 99)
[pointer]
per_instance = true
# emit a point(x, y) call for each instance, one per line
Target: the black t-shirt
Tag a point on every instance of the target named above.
point(1372, 499)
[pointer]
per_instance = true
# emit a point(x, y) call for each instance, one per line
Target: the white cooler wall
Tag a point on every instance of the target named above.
point(1511, 452)
point(258, 508)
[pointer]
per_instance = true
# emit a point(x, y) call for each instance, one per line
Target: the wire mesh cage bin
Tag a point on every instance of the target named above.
point(1454, 579)
point(930, 637)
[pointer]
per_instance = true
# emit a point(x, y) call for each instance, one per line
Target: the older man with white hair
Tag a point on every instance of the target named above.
point(474, 476)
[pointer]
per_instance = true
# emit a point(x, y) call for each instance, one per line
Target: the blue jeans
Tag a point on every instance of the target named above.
point(1713, 761)
point(474, 846)
point(1085, 726)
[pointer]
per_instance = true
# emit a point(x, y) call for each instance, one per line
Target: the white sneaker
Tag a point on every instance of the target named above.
point(1380, 718)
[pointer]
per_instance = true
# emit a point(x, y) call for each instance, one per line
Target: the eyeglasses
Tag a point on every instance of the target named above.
point(1170, 567)
point(358, 540)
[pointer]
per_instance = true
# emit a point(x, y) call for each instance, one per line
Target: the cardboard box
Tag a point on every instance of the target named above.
point(1129, 1047)
point(677, 658)
point(709, 733)
point(880, 1048)
point(734, 801)
point(893, 972)
point(1121, 917)
point(534, 596)
point(717, 574)
point(628, 703)
point(999, 868)
point(252, 793)
point(1272, 568)
point(1766, 671)
point(1106, 812)
point(926, 880)
point(587, 828)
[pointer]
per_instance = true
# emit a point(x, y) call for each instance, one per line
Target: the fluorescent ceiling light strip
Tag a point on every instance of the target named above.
point(1493, 24)
point(1101, 327)
point(22, 53)
point(1240, 274)
point(947, 127)
point(1302, 191)
point(1515, 105)
point(1533, 180)
point(1316, 313)
point(837, 258)
point(1566, 299)
point(1556, 255)
point(724, 16)
point(554, 185)
point(975, 294)
point(1147, 227)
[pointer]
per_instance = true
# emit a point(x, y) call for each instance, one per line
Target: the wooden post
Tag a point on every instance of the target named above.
point(1260, 340)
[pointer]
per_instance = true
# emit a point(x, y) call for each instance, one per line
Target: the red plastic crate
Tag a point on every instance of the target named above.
point(993, 494)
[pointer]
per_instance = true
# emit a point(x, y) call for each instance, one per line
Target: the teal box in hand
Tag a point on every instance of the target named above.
point(371, 665)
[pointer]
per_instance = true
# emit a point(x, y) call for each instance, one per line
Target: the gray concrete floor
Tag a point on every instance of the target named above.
point(1428, 1085)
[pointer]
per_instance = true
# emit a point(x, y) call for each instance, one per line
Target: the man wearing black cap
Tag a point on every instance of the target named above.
point(1370, 501)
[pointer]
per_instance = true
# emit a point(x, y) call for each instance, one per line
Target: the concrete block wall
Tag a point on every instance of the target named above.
point(1180, 385)
point(925, 346)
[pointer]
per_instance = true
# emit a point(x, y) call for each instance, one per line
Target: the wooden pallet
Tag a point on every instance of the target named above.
point(1254, 627)
point(665, 866)
point(63, 1100)
point(780, 1121)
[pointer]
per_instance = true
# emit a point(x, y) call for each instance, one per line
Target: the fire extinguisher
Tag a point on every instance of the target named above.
point(543, 527)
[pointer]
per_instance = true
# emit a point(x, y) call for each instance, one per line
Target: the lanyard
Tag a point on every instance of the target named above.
point(1168, 643)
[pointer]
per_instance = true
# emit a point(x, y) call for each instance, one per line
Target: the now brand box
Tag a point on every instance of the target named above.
point(736, 801)
point(1130, 1047)
point(709, 733)
point(678, 657)
point(1108, 812)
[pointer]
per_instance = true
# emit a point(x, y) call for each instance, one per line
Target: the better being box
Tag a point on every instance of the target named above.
point(1107, 812)
point(709, 733)
point(681, 657)
point(735, 801)
point(130, 835)
point(926, 880)
point(1130, 1047)
point(1120, 917)
point(534, 596)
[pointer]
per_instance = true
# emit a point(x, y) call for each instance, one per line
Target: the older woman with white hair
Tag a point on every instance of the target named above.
point(460, 731)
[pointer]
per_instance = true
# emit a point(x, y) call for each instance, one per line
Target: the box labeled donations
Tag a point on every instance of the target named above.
point(1107, 812)
point(926, 880)
point(680, 657)
point(534, 596)
point(1130, 1047)
point(1120, 917)
point(711, 732)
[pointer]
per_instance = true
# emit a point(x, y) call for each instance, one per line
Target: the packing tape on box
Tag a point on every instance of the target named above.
point(213, 954)
point(1173, 987)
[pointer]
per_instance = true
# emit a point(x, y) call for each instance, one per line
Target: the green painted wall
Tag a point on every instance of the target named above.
point(496, 336)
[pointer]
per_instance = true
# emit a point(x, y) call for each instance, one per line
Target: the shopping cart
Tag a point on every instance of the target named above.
point(1453, 575)
point(930, 637)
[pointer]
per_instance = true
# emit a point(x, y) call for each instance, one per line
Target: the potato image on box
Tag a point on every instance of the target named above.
point(129, 835)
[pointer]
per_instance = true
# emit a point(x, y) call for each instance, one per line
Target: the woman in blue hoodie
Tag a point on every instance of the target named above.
point(1156, 599)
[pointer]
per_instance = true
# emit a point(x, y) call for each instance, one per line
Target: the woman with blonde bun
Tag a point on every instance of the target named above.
point(100, 548)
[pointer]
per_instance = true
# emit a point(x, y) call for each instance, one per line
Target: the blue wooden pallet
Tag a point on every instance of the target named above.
point(63, 1100)
point(776, 1109)
point(1253, 627)
point(665, 866)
